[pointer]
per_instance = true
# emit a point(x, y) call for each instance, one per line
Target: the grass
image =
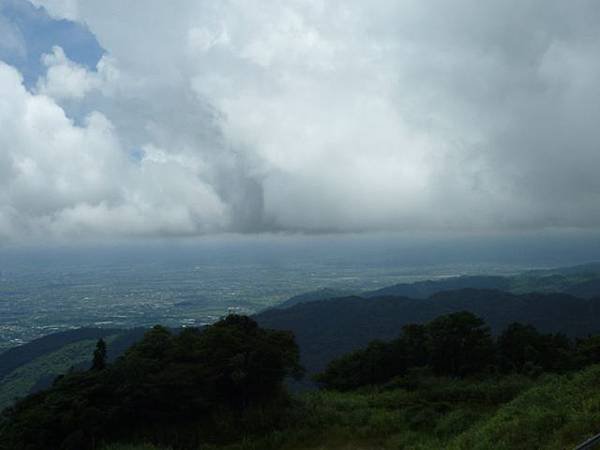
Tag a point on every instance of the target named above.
point(19, 382)
point(425, 417)
point(552, 413)
point(133, 447)
point(559, 414)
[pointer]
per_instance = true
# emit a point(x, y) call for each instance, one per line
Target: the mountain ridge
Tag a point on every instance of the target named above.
point(325, 329)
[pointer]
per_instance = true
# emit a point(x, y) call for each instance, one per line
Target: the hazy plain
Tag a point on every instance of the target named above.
point(193, 282)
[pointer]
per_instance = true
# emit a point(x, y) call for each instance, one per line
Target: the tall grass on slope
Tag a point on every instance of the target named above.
point(426, 417)
point(558, 414)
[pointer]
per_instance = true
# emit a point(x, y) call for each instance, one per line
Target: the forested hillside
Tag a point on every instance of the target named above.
point(182, 389)
point(33, 366)
point(12, 358)
point(331, 327)
point(447, 384)
point(326, 329)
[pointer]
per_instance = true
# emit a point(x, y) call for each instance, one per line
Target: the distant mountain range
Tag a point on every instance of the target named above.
point(328, 323)
point(580, 281)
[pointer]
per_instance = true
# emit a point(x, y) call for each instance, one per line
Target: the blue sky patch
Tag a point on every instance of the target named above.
point(27, 32)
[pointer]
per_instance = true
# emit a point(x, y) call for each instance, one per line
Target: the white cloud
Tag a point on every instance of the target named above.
point(60, 180)
point(65, 79)
point(311, 114)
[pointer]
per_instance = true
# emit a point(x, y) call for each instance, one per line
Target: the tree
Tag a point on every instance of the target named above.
point(518, 345)
point(166, 387)
point(522, 348)
point(588, 350)
point(99, 361)
point(460, 344)
point(557, 353)
point(415, 341)
point(250, 363)
point(377, 363)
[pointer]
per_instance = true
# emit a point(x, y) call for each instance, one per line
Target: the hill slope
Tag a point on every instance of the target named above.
point(327, 329)
point(26, 378)
point(425, 289)
point(23, 354)
point(558, 414)
point(514, 413)
point(579, 281)
point(34, 366)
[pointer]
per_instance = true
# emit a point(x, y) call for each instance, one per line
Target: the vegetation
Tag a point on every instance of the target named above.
point(325, 332)
point(99, 360)
point(14, 358)
point(327, 329)
point(185, 389)
point(557, 414)
point(426, 415)
point(24, 379)
point(458, 345)
point(448, 383)
point(33, 367)
point(512, 412)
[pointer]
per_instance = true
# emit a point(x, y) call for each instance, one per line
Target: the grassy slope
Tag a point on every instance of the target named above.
point(16, 357)
point(556, 413)
point(19, 382)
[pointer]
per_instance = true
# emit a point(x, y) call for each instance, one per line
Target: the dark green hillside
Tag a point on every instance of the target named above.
point(445, 384)
point(184, 389)
point(39, 373)
point(585, 289)
point(459, 345)
point(558, 414)
point(325, 332)
point(419, 289)
point(118, 345)
point(34, 366)
point(554, 412)
point(425, 289)
point(327, 329)
point(580, 281)
point(313, 296)
point(15, 357)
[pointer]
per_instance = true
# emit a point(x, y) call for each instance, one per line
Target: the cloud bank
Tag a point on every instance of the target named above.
point(309, 115)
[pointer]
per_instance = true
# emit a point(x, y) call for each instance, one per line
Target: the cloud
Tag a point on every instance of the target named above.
point(12, 43)
point(62, 180)
point(60, 9)
point(65, 79)
point(340, 116)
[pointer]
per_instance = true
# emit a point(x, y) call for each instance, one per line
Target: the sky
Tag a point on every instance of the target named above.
point(156, 119)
